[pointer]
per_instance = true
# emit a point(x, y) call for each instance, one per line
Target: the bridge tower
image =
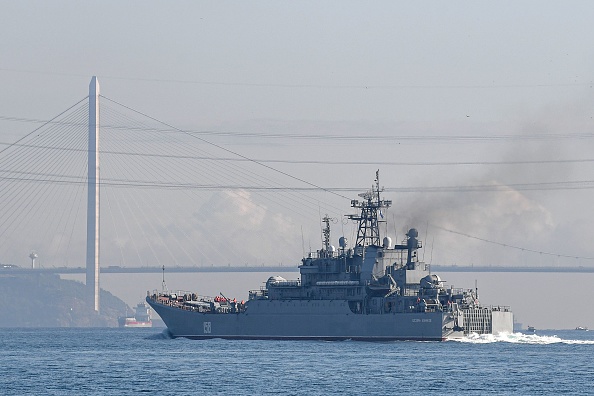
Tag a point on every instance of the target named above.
point(92, 261)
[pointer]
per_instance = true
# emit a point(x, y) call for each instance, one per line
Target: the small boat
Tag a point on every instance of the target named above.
point(531, 329)
point(582, 328)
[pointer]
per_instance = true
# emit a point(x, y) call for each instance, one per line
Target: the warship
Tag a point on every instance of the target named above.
point(373, 291)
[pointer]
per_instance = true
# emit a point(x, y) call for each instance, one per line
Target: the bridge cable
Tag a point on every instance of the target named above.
point(229, 151)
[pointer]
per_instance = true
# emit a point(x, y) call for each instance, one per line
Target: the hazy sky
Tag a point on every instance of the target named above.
point(442, 97)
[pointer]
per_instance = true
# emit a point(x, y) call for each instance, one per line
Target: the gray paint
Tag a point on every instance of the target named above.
point(369, 293)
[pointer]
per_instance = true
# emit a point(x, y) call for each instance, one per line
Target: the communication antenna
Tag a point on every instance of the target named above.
point(163, 285)
point(320, 216)
point(326, 233)
point(302, 242)
point(371, 214)
point(426, 236)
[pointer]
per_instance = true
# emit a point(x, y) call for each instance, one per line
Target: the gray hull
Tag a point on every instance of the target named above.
point(375, 291)
point(324, 320)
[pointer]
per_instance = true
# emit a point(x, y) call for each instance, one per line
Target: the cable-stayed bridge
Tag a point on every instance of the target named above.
point(167, 196)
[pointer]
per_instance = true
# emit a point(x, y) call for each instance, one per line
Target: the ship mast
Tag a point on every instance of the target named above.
point(328, 249)
point(326, 232)
point(371, 206)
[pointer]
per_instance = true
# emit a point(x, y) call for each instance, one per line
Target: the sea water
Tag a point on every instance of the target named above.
point(147, 361)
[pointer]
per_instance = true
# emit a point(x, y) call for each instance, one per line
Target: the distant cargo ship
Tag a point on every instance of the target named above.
point(141, 318)
point(375, 290)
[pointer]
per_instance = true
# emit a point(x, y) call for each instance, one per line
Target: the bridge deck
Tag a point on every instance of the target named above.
point(274, 269)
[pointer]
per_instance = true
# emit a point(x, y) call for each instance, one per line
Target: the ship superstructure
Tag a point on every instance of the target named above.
point(141, 317)
point(375, 290)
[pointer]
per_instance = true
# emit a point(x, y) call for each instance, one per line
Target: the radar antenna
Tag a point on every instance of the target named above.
point(371, 214)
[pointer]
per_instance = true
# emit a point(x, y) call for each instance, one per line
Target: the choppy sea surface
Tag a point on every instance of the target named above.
point(147, 361)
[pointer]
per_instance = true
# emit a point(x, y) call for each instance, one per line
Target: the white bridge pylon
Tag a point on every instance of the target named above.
point(92, 261)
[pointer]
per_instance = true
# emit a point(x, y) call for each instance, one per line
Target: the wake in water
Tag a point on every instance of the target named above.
point(164, 335)
point(519, 338)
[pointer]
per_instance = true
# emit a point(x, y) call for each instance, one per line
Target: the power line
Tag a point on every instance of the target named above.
point(511, 246)
point(537, 186)
point(324, 162)
point(384, 86)
point(298, 136)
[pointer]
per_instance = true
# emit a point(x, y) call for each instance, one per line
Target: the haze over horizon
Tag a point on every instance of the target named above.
point(479, 118)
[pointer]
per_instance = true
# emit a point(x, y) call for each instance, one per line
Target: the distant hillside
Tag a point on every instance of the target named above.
point(45, 300)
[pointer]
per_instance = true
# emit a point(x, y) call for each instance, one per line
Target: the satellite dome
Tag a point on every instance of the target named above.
point(387, 242)
point(274, 279)
point(430, 281)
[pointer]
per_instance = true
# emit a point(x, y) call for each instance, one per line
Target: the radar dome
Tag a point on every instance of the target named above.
point(431, 281)
point(412, 233)
point(274, 279)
